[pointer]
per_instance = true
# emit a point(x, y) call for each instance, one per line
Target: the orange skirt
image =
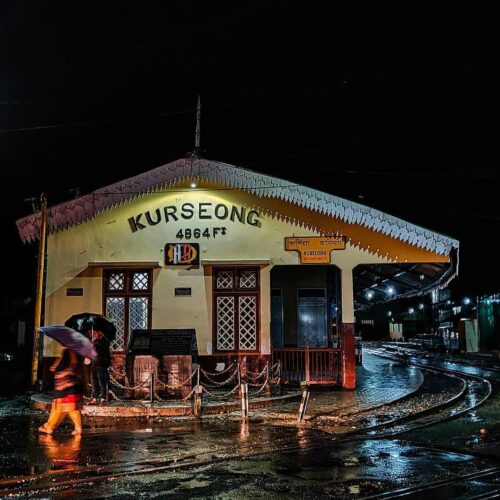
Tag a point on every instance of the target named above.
point(71, 402)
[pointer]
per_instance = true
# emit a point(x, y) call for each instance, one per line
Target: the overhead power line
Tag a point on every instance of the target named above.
point(94, 122)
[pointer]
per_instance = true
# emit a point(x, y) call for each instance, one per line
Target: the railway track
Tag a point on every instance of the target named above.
point(482, 484)
point(475, 392)
point(60, 480)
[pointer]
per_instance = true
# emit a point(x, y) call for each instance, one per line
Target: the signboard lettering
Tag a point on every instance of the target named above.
point(200, 211)
point(315, 249)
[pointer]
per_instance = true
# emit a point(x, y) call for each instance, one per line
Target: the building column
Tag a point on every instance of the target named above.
point(347, 330)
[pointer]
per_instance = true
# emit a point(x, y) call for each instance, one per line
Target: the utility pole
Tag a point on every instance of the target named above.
point(39, 288)
point(197, 150)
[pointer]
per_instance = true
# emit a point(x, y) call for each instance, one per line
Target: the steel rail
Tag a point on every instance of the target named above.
point(363, 433)
point(99, 473)
point(405, 492)
point(45, 482)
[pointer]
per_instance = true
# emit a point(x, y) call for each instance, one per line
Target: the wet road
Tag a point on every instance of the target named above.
point(220, 462)
point(225, 458)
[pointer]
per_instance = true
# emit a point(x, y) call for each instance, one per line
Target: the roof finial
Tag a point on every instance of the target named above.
point(197, 135)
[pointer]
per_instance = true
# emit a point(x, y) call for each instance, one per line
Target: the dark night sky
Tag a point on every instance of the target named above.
point(397, 110)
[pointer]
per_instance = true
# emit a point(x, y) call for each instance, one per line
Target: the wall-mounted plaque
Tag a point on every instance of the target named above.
point(182, 254)
point(74, 292)
point(183, 292)
point(181, 341)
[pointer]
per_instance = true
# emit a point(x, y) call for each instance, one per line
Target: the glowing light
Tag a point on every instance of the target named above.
point(389, 313)
point(193, 184)
point(466, 301)
point(421, 306)
point(369, 294)
point(411, 310)
point(390, 290)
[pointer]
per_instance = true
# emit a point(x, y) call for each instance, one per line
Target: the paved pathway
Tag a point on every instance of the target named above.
point(379, 381)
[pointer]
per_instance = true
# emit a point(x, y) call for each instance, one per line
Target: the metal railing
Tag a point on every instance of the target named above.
point(313, 365)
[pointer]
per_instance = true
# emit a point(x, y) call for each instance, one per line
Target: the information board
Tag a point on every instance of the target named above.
point(181, 341)
point(315, 249)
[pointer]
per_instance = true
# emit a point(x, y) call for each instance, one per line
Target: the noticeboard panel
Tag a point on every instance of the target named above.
point(159, 342)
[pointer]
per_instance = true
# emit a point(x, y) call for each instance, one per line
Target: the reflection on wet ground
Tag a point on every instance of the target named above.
point(343, 470)
point(23, 452)
point(379, 381)
point(291, 461)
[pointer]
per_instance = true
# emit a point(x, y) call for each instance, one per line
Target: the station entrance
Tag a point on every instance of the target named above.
point(305, 311)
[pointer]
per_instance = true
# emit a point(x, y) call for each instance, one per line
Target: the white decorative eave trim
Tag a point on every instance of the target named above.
point(87, 207)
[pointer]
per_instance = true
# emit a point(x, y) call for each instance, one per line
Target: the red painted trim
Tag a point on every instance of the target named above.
point(348, 357)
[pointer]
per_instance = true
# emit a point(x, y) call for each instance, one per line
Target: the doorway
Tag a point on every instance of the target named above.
point(311, 317)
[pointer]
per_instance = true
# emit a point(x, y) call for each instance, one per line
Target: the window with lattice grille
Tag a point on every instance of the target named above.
point(127, 297)
point(236, 309)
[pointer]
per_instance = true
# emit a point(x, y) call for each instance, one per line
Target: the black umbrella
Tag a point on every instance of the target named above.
point(85, 322)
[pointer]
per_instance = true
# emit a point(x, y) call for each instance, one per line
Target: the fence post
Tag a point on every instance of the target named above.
point(151, 386)
point(198, 391)
point(244, 400)
point(239, 379)
point(268, 384)
point(303, 405)
point(307, 362)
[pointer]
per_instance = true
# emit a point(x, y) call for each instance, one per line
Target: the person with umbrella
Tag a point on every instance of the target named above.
point(99, 368)
point(102, 332)
point(68, 384)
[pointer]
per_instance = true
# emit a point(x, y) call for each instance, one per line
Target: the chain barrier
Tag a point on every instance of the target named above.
point(220, 396)
point(114, 395)
point(114, 370)
point(221, 372)
point(128, 388)
point(268, 377)
point(189, 395)
point(219, 384)
point(176, 386)
point(262, 387)
point(257, 375)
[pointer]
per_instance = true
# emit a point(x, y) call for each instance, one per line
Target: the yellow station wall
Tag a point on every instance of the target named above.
point(108, 238)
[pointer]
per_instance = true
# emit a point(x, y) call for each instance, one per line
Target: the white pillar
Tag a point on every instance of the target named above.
point(347, 305)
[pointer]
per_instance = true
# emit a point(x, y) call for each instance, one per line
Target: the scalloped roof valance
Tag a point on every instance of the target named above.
point(87, 207)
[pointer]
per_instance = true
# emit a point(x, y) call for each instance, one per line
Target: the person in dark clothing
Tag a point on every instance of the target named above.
point(68, 387)
point(99, 368)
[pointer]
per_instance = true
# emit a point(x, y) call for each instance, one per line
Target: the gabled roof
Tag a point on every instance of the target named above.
point(89, 206)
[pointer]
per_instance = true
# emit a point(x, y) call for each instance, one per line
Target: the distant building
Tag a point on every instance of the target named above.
point(488, 316)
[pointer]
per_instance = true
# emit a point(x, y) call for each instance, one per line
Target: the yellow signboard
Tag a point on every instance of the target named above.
point(315, 249)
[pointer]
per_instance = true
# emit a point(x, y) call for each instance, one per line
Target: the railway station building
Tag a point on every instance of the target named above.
point(261, 268)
